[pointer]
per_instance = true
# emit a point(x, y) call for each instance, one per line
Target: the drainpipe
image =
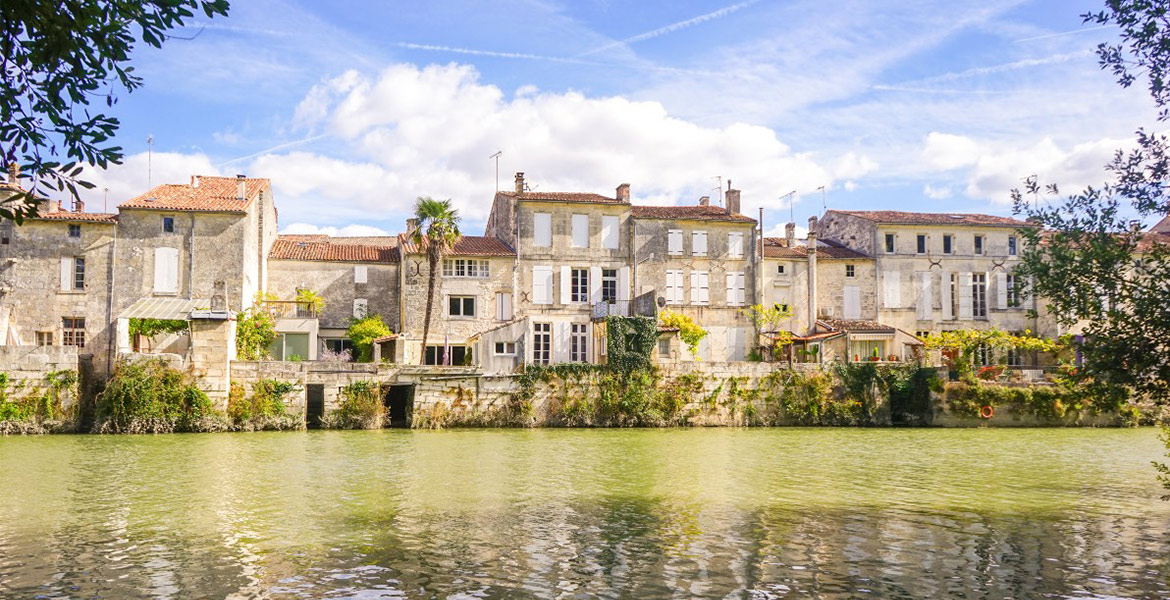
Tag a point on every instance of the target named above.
point(110, 346)
point(634, 260)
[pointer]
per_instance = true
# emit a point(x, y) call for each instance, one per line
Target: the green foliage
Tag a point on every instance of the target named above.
point(1047, 403)
point(265, 409)
point(807, 399)
point(688, 331)
point(56, 60)
point(436, 233)
point(255, 332)
point(362, 332)
point(770, 323)
point(910, 388)
point(1162, 468)
point(959, 346)
point(313, 301)
point(152, 397)
point(629, 342)
point(360, 408)
point(152, 327)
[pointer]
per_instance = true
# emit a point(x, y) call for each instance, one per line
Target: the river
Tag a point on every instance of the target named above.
point(683, 513)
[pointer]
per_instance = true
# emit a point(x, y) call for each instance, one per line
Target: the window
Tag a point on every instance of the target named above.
point(921, 240)
point(4, 241)
point(948, 244)
point(168, 224)
point(674, 242)
point(44, 338)
point(674, 287)
point(889, 243)
point(850, 271)
point(73, 331)
point(541, 343)
point(78, 273)
point(72, 273)
point(578, 343)
point(166, 270)
point(979, 295)
point(609, 282)
point(465, 267)
point(579, 285)
point(339, 345)
point(580, 231)
point(361, 308)
point(542, 285)
point(735, 288)
point(699, 243)
point(1011, 245)
point(700, 288)
point(664, 347)
point(954, 295)
point(461, 306)
point(1013, 293)
point(75, 231)
point(735, 245)
point(609, 232)
point(542, 230)
point(290, 346)
point(361, 273)
point(978, 244)
point(921, 334)
point(779, 269)
point(505, 349)
point(503, 306)
point(448, 355)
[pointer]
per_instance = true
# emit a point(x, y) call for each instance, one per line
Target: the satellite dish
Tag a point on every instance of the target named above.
point(661, 302)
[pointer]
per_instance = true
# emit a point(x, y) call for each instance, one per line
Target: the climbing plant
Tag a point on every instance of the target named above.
point(362, 332)
point(255, 332)
point(152, 327)
point(770, 323)
point(960, 346)
point(630, 340)
point(312, 300)
point(688, 331)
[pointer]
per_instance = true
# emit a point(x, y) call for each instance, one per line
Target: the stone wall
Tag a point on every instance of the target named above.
point(27, 368)
point(334, 282)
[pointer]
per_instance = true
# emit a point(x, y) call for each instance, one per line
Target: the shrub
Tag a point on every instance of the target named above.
point(360, 408)
point(362, 332)
point(265, 409)
point(688, 331)
point(152, 397)
point(41, 409)
point(255, 332)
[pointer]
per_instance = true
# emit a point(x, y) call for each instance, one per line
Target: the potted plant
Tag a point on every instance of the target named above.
point(876, 356)
point(892, 358)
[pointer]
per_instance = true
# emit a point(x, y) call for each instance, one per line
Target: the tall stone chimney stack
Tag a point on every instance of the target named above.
point(241, 187)
point(732, 202)
point(812, 274)
point(623, 193)
point(13, 174)
point(790, 234)
point(519, 182)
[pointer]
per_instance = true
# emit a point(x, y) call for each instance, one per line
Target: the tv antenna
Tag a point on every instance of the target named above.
point(719, 188)
point(824, 203)
point(106, 200)
point(149, 158)
point(791, 210)
point(497, 157)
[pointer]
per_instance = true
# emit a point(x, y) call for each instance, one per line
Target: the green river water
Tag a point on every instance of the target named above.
point(681, 513)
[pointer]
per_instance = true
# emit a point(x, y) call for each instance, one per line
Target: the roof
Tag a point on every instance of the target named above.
point(326, 249)
point(562, 197)
point(1162, 226)
point(178, 309)
point(897, 217)
point(694, 213)
point(854, 326)
point(816, 337)
point(468, 245)
point(107, 218)
point(204, 194)
point(776, 247)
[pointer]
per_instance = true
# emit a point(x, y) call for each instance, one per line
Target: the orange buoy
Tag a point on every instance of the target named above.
point(987, 412)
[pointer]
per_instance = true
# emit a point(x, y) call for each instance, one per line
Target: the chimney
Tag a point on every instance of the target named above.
point(705, 201)
point(79, 205)
point(243, 185)
point(519, 182)
point(194, 181)
point(790, 234)
point(14, 174)
point(732, 202)
point(623, 193)
point(411, 226)
point(812, 272)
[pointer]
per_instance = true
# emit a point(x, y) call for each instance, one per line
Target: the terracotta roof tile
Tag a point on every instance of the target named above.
point(78, 216)
point(857, 325)
point(693, 213)
point(775, 247)
point(468, 245)
point(1162, 226)
point(296, 247)
point(897, 217)
point(562, 197)
point(210, 194)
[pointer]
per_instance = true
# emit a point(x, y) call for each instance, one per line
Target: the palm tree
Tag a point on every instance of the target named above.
point(441, 224)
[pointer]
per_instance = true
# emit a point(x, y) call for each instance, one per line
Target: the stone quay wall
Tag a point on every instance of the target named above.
point(28, 367)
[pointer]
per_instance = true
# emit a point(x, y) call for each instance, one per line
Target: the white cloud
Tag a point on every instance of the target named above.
point(945, 151)
point(347, 231)
point(1001, 168)
point(939, 193)
point(779, 230)
point(130, 179)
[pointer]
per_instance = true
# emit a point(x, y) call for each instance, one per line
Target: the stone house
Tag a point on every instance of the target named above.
point(353, 276)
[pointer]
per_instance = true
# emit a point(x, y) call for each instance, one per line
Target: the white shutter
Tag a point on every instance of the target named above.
point(67, 273)
point(735, 342)
point(699, 243)
point(674, 241)
point(504, 306)
point(735, 245)
point(609, 232)
point(729, 294)
point(542, 285)
point(541, 230)
point(695, 296)
point(704, 348)
point(965, 296)
point(623, 284)
point(705, 287)
point(1001, 289)
point(892, 288)
point(580, 231)
point(166, 270)
point(925, 296)
point(852, 302)
point(741, 288)
point(359, 273)
point(560, 342)
point(948, 307)
point(566, 288)
point(595, 285)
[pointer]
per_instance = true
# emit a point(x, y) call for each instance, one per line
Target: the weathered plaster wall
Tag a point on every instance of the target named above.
point(335, 283)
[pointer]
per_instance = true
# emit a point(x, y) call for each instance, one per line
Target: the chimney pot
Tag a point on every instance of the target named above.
point(812, 226)
point(732, 199)
point(411, 226)
point(13, 173)
point(519, 182)
point(243, 184)
point(79, 205)
point(194, 181)
point(705, 201)
point(623, 193)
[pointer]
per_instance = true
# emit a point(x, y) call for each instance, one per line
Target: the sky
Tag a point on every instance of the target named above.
point(355, 108)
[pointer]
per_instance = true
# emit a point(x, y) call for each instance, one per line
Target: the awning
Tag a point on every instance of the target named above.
point(862, 337)
point(163, 308)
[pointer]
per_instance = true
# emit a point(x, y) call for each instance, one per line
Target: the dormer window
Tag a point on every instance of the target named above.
point(168, 224)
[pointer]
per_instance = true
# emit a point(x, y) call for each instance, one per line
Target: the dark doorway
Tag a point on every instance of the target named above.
point(315, 401)
point(399, 404)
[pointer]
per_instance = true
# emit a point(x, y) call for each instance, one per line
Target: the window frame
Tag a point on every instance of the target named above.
point(462, 301)
point(780, 270)
point(75, 230)
point(980, 245)
point(978, 295)
point(44, 338)
point(542, 341)
point(1013, 291)
point(73, 331)
point(850, 271)
point(78, 272)
point(501, 349)
point(921, 244)
point(891, 243)
point(609, 286)
point(168, 224)
point(579, 285)
point(1013, 245)
point(578, 342)
point(948, 243)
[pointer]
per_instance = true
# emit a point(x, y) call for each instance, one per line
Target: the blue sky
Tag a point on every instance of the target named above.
point(355, 108)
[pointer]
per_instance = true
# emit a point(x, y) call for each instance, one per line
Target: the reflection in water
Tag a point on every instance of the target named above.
point(637, 514)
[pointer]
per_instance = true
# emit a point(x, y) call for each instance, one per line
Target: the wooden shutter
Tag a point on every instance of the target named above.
point(542, 230)
point(925, 296)
point(623, 284)
point(595, 284)
point(699, 243)
point(566, 288)
point(965, 296)
point(852, 302)
point(580, 225)
point(609, 232)
point(560, 341)
point(1001, 290)
point(542, 285)
point(696, 298)
point(735, 245)
point(67, 273)
point(359, 273)
point(892, 290)
point(674, 241)
point(166, 270)
point(948, 306)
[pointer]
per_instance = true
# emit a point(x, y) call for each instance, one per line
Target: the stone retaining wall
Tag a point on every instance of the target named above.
point(28, 366)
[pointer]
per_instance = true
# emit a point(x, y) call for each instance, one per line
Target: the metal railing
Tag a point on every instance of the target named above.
point(602, 310)
point(290, 309)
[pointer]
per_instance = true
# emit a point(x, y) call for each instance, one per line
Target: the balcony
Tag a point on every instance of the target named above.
point(601, 310)
point(290, 309)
